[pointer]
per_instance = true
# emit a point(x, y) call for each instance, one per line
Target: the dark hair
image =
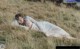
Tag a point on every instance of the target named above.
point(18, 15)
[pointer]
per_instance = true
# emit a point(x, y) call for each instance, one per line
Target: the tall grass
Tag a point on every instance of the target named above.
point(18, 38)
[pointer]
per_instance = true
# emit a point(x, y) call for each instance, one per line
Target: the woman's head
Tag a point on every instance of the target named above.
point(19, 18)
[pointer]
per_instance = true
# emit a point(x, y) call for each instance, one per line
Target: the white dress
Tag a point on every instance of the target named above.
point(47, 28)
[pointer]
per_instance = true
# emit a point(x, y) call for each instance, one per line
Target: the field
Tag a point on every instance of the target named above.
point(18, 38)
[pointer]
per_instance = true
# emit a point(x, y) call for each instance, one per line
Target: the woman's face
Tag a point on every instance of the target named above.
point(21, 20)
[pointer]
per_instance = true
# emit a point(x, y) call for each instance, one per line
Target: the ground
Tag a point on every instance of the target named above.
point(18, 38)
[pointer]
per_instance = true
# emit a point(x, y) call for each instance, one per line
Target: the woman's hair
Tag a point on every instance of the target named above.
point(19, 15)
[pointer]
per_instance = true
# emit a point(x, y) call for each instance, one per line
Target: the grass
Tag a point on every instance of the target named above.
point(18, 38)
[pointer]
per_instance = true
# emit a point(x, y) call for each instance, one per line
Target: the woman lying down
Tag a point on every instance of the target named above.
point(43, 26)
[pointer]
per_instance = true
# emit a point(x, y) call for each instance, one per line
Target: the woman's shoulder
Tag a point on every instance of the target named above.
point(27, 16)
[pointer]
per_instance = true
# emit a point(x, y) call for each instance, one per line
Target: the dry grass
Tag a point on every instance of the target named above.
point(17, 38)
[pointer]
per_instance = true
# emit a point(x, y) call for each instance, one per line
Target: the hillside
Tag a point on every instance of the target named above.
point(18, 38)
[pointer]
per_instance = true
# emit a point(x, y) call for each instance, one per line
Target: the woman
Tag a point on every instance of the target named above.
point(43, 26)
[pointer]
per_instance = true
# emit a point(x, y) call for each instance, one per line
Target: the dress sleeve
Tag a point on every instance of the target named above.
point(31, 19)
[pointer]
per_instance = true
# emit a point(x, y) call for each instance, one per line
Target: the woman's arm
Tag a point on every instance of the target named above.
point(29, 19)
point(15, 23)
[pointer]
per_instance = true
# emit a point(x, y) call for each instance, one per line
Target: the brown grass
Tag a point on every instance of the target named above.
point(17, 38)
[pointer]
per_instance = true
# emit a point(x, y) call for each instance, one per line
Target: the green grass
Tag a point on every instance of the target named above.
point(18, 38)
